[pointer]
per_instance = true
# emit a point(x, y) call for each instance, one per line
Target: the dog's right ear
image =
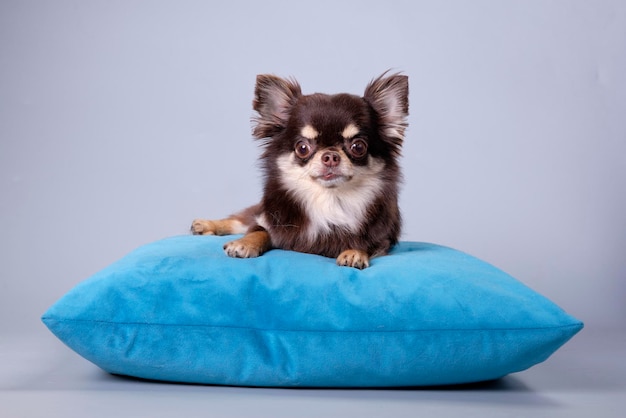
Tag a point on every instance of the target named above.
point(273, 99)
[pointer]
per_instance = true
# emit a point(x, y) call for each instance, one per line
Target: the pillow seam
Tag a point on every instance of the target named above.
point(382, 331)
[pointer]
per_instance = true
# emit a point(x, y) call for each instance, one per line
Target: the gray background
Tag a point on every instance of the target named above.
point(121, 121)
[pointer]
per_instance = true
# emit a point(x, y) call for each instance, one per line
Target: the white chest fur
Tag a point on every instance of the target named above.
point(344, 205)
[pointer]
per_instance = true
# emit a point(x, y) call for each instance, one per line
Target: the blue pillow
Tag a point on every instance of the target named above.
point(181, 310)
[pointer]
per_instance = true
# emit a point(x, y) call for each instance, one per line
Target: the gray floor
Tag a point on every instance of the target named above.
point(40, 377)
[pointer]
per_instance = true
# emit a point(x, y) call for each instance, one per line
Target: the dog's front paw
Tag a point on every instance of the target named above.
point(240, 249)
point(354, 258)
point(251, 245)
point(203, 227)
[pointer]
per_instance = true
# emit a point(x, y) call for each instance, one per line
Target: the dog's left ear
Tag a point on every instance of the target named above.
point(274, 98)
point(389, 97)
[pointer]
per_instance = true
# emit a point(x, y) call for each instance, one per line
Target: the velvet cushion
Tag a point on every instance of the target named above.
point(180, 310)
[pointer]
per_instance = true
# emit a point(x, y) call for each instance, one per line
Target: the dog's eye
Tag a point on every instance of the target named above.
point(358, 148)
point(303, 149)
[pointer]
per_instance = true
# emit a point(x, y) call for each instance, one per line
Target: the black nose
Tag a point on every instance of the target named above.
point(331, 159)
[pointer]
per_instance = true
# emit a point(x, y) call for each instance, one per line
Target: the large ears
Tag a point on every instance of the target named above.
point(389, 97)
point(273, 99)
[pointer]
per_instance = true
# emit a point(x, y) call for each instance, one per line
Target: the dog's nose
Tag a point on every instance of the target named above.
point(331, 159)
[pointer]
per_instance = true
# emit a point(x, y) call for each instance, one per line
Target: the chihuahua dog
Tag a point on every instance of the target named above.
point(331, 172)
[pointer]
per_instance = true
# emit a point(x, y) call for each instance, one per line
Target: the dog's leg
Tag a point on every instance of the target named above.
point(238, 223)
point(227, 226)
point(354, 258)
point(253, 244)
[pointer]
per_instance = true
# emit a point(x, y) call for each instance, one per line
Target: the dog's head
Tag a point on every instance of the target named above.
point(342, 141)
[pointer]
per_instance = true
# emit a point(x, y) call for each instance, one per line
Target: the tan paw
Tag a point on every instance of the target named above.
point(251, 245)
point(203, 227)
point(240, 249)
point(353, 258)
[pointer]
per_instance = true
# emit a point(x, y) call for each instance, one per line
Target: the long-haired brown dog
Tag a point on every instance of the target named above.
point(331, 172)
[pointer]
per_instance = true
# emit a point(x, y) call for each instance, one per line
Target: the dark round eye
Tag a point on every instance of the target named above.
point(303, 149)
point(358, 148)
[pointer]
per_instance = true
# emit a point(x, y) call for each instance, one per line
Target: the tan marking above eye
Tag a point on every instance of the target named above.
point(350, 131)
point(309, 132)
